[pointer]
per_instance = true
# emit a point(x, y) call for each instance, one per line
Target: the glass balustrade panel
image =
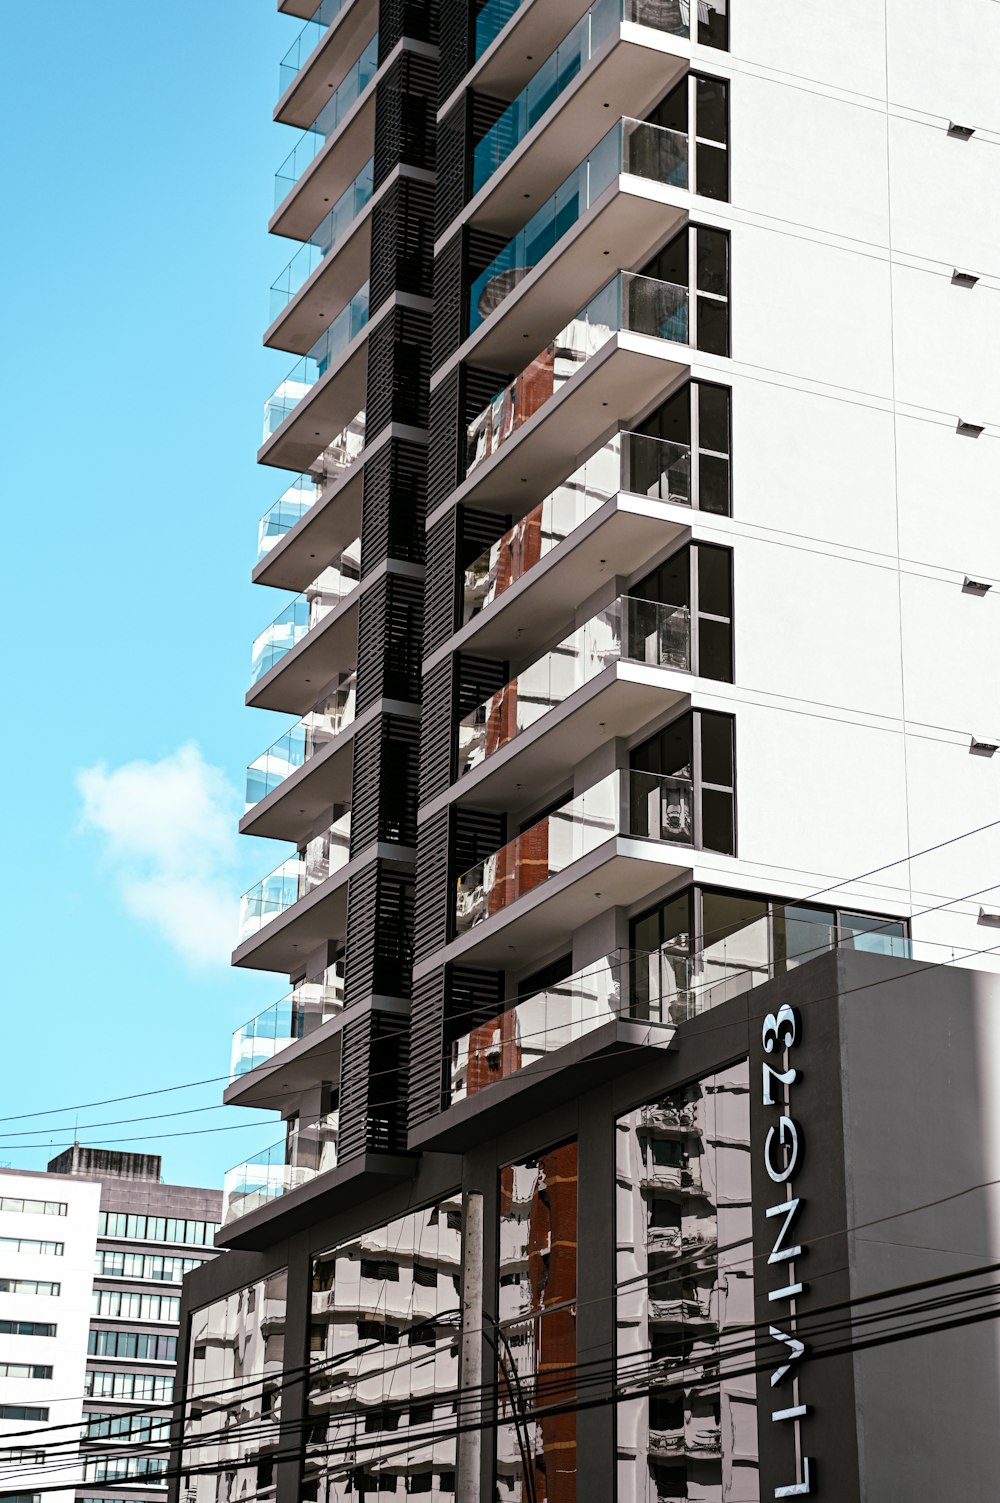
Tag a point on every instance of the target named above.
point(642, 631)
point(307, 610)
point(295, 878)
point(302, 741)
point(491, 20)
point(329, 119)
point(292, 504)
point(328, 233)
point(629, 301)
point(306, 42)
point(307, 1152)
point(293, 1017)
point(542, 529)
point(312, 367)
point(657, 468)
point(630, 146)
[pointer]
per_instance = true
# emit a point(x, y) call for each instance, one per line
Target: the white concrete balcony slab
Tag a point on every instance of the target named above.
point(307, 770)
point(325, 649)
point(319, 525)
point(336, 31)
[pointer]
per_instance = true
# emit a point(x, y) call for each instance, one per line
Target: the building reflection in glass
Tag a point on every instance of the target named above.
point(237, 1344)
point(536, 1459)
point(682, 1193)
point(376, 1428)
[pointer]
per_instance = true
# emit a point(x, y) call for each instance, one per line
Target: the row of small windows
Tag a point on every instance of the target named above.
point(36, 1412)
point(30, 1286)
point(121, 1304)
point(121, 1468)
point(156, 1228)
point(27, 1328)
point(147, 1387)
point(23, 1455)
point(32, 1245)
point(159, 1267)
point(34, 1207)
point(21, 1497)
point(25, 1370)
point(136, 1346)
point(147, 1428)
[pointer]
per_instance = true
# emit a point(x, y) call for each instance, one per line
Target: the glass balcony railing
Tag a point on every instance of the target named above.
point(561, 67)
point(304, 374)
point(306, 42)
point(305, 490)
point(630, 146)
point(491, 21)
point(310, 1151)
point(306, 611)
point(641, 804)
point(628, 462)
point(643, 631)
point(661, 987)
point(601, 993)
point(328, 233)
point(294, 749)
point(629, 301)
point(294, 1017)
point(344, 97)
point(296, 877)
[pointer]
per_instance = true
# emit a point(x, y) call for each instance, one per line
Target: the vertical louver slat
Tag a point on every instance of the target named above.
point(393, 505)
point(402, 242)
point(450, 322)
point(352, 1134)
point(398, 371)
point(379, 934)
point(426, 1048)
point(419, 19)
point(455, 41)
point(405, 116)
point(437, 740)
point(431, 925)
point(441, 586)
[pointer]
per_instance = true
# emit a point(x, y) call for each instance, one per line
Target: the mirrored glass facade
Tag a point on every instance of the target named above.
point(237, 1347)
point(536, 1337)
point(684, 1292)
point(384, 1341)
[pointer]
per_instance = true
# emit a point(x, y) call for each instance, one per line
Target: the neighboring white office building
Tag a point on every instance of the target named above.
point(48, 1237)
point(92, 1255)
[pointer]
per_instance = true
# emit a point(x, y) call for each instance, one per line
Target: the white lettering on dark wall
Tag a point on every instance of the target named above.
point(783, 1155)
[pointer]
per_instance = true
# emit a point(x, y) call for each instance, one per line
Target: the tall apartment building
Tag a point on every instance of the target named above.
point(93, 1255)
point(644, 744)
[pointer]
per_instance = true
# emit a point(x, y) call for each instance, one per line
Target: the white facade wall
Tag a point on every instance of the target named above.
point(863, 668)
point(66, 1353)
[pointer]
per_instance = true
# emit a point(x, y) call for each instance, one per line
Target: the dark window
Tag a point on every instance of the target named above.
point(26, 1328)
point(697, 748)
point(681, 451)
point(549, 976)
point(698, 109)
point(372, 1268)
point(424, 1276)
point(374, 1330)
point(697, 578)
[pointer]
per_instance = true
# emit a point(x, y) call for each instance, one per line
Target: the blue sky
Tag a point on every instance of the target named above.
point(140, 164)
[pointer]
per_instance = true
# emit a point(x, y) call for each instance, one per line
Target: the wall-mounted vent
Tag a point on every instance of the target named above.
point(963, 278)
point(989, 916)
point(984, 746)
point(969, 430)
point(972, 586)
point(961, 132)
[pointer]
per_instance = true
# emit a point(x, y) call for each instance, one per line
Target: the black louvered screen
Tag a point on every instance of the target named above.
point(450, 321)
point(455, 43)
point(402, 242)
point(446, 435)
point(441, 588)
point(389, 635)
point(379, 934)
point(405, 115)
point(477, 678)
point(477, 833)
point(406, 18)
point(426, 1048)
point(385, 783)
point(393, 505)
point(472, 997)
point(437, 738)
point(355, 1073)
point(398, 370)
point(387, 1087)
point(453, 177)
point(434, 893)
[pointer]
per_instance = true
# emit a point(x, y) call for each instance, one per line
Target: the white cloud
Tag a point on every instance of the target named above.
point(170, 837)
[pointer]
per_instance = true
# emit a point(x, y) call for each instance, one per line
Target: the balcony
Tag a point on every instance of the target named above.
point(314, 365)
point(321, 509)
point(308, 288)
point(309, 1152)
point(637, 218)
point(630, 629)
point(295, 878)
point(620, 56)
point(327, 121)
point(305, 771)
point(295, 1017)
point(319, 56)
point(626, 836)
point(306, 611)
point(578, 533)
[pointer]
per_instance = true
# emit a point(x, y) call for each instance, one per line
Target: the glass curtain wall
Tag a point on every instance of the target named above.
point(384, 1338)
point(233, 1412)
point(684, 1292)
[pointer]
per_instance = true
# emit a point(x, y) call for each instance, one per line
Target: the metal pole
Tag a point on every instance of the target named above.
point(468, 1477)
